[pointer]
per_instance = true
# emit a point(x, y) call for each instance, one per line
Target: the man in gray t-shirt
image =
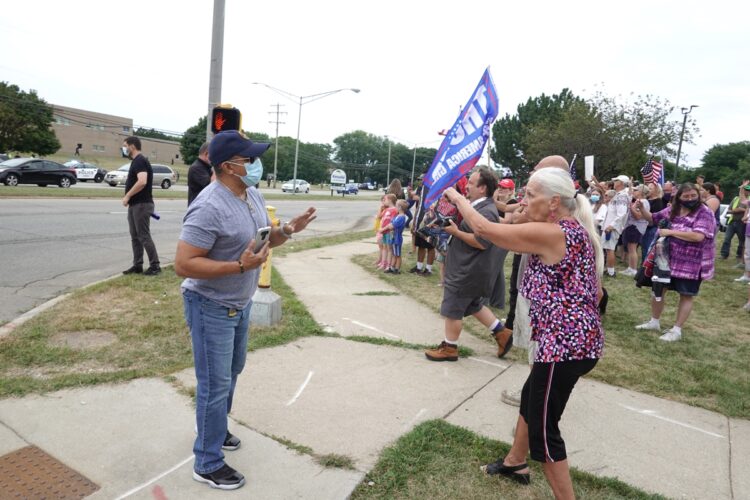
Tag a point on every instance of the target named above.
point(218, 257)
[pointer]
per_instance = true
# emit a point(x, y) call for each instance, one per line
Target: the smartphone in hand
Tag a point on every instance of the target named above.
point(261, 237)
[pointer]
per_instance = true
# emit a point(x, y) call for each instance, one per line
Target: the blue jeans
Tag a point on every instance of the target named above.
point(734, 228)
point(219, 336)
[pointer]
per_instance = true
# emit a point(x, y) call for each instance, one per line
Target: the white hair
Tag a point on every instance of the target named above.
point(554, 181)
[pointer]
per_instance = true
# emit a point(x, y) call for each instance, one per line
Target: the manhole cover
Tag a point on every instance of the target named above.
point(87, 339)
point(31, 473)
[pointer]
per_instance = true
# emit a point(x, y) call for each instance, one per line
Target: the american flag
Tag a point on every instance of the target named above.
point(652, 171)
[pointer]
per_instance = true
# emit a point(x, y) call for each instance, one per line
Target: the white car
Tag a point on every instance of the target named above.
point(298, 186)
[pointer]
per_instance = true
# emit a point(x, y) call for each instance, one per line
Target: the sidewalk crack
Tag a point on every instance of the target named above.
point(470, 396)
point(11, 429)
point(729, 438)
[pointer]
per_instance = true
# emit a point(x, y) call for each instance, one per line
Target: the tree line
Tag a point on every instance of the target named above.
point(621, 132)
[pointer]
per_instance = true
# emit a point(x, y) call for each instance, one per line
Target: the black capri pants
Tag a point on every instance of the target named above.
point(543, 400)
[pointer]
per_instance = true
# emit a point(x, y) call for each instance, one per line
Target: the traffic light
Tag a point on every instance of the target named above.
point(225, 117)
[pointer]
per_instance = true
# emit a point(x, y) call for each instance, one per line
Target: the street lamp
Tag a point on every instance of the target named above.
point(685, 112)
point(304, 99)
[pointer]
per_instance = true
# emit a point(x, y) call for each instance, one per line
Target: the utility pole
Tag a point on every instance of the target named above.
point(388, 175)
point(217, 55)
point(276, 149)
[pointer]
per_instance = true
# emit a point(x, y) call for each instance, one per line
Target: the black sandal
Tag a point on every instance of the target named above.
point(509, 471)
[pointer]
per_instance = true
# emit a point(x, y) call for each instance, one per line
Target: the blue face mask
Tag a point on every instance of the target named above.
point(595, 198)
point(254, 173)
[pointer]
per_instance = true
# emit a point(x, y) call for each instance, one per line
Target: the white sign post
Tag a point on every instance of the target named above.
point(588, 167)
point(338, 177)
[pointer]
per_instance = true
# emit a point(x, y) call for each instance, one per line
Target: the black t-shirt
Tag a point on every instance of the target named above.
point(140, 164)
point(199, 176)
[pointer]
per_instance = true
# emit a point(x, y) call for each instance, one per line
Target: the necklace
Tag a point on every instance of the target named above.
point(242, 195)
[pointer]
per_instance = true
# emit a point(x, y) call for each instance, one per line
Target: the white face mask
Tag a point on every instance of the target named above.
point(125, 151)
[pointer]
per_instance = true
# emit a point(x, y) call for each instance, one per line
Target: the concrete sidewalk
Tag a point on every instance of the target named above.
point(352, 399)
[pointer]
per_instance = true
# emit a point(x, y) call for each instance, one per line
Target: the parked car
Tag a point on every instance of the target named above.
point(87, 171)
point(724, 215)
point(367, 186)
point(349, 188)
point(164, 176)
point(300, 186)
point(36, 171)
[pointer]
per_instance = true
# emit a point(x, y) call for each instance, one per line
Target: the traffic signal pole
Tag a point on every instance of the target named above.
point(217, 55)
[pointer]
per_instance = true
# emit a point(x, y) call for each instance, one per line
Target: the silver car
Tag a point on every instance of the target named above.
point(164, 176)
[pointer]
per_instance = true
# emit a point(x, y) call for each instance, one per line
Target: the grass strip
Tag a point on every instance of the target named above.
point(463, 351)
point(438, 460)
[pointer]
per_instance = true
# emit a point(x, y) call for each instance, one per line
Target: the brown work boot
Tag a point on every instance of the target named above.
point(504, 339)
point(443, 352)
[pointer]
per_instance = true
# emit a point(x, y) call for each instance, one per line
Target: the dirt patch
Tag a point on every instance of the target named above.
point(84, 340)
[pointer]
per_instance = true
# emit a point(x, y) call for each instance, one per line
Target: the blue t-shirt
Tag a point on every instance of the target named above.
point(398, 223)
point(224, 224)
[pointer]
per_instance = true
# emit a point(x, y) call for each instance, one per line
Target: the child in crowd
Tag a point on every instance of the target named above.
point(378, 234)
point(386, 229)
point(397, 226)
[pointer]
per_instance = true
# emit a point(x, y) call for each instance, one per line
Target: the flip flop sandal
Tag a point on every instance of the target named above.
point(511, 472)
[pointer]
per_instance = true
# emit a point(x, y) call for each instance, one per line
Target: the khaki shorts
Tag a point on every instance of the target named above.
point(611, 243)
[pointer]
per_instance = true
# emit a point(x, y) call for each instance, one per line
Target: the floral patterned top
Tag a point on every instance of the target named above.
point(564, 309)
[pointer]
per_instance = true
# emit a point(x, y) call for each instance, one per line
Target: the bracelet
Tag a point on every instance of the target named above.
point(286, 235)
point(242, 268)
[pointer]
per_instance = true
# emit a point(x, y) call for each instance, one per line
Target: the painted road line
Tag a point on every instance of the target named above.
point(140, 487)
point(374, 329)
point(652, 413)
point(301, 388)
point(486, 362)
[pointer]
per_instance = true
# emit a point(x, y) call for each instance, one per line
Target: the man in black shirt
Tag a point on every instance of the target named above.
point(140, 205)
point(199, 174)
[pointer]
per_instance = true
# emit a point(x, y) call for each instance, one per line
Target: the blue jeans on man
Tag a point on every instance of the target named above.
point(219, 335)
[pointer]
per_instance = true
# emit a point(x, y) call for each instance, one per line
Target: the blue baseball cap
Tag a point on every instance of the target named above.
point(231, 143)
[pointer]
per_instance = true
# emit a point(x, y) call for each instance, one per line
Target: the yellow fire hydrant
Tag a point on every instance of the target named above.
point(265, 270)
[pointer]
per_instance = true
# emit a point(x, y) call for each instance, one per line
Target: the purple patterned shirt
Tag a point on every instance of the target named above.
point(564, 308)
point(689, 260)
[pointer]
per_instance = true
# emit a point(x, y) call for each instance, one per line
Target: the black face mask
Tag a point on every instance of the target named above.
point(691, 204)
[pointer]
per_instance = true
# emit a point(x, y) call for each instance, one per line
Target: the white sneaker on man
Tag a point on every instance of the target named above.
point(743, 279)
point(671, 335)
point(649, 325)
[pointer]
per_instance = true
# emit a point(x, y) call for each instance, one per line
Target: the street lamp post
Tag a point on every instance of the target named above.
point(685, 112)
point(302, 100)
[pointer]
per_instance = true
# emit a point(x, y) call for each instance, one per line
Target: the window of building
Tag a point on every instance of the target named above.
point(125, 128)
point(98, 148)
point(59, 120)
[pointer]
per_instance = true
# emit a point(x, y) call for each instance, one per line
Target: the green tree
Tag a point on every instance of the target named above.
point(511, 133)
point(192, 140)
point(152, 133)
point(25, 121)
point(727, 164)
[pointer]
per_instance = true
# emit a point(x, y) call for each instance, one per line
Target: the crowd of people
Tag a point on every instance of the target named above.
point(566, 240)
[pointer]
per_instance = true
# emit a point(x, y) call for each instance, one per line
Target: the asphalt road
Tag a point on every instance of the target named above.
point(52, 246)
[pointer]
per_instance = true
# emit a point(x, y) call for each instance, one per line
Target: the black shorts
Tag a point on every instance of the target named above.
point(685, 286)
point(631, 235)
point(455, 307)
point(543, 400)
point(421, 242)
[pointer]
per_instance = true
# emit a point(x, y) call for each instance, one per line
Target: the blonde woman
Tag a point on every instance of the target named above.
point(562, 282)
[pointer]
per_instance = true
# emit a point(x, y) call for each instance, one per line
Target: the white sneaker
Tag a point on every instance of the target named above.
point(743, 279)
point(629, 272)
point(649, 325)
point(671, 335)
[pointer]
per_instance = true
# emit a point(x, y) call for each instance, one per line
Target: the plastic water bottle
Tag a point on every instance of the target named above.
point(609, 235)
point(156, 216)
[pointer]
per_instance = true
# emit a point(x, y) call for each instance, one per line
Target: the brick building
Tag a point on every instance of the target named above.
point(101, 135)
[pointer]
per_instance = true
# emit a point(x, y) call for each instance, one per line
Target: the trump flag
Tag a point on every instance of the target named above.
point(465, 141)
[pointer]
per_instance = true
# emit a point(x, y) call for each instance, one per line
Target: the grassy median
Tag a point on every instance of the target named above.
point(707, 368)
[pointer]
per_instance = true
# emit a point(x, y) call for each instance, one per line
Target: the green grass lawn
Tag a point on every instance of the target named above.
point(707, 368)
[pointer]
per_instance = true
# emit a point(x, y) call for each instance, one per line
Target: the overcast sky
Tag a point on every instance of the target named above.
point(415, 62)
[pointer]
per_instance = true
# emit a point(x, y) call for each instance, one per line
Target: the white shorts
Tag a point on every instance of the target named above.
point(611, 243)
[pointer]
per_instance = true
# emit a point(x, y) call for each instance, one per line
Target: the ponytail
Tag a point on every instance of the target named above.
point(584, 215)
